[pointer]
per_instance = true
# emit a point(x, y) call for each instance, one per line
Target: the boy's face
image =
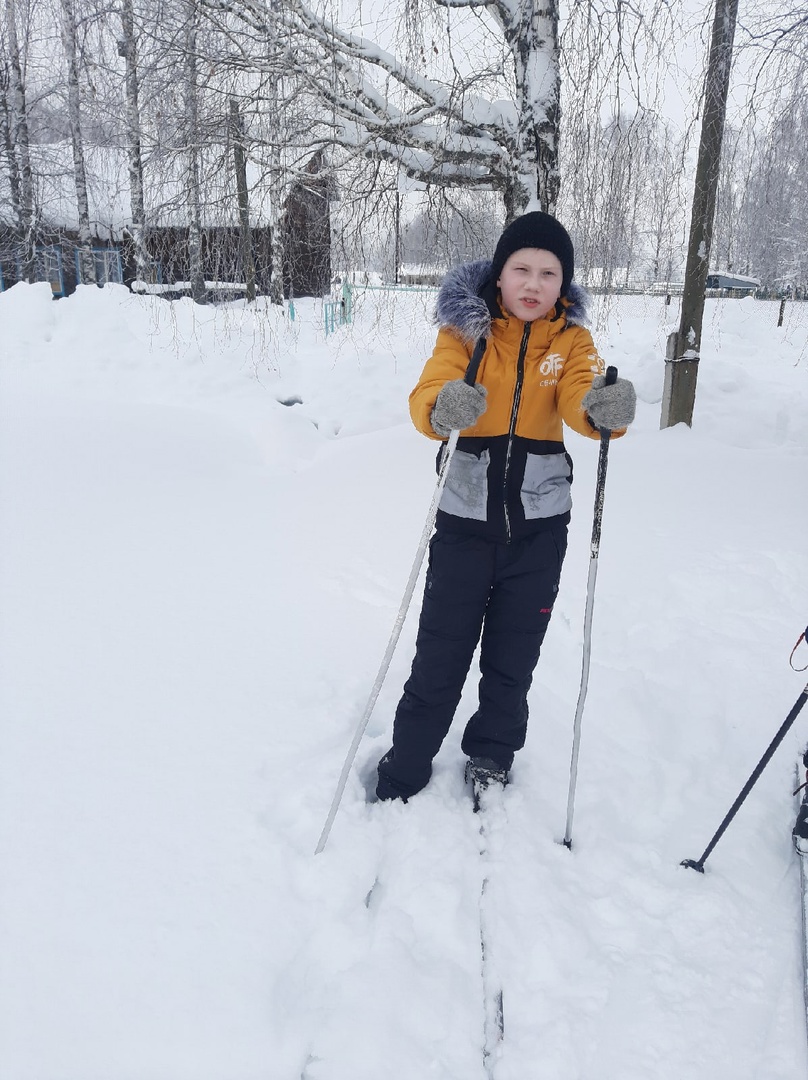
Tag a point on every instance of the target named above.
point(530, 283)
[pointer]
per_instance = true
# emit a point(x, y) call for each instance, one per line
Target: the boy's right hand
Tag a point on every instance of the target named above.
point(458, 407)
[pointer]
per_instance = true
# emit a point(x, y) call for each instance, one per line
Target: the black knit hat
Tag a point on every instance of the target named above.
point(535, 230)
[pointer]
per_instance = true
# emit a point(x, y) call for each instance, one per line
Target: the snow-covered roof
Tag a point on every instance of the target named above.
point(741, 281)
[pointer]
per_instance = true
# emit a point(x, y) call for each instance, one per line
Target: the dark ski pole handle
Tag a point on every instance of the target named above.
point(600, 484)
point(610, 380)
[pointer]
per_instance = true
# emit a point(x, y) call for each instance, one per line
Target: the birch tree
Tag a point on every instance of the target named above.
point(666, 205)
point(8, 150)
point(192, 149)
point(127, 49)
point(18, 147)
point(69, 44)
point(775, 189)
point(730, 231)
point(282, 128)
point(777, 200)
point(240, 168)
point(275, 147)
point(438, 130)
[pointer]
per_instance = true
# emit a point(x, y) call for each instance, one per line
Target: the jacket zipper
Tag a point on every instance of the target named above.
point(517, 395)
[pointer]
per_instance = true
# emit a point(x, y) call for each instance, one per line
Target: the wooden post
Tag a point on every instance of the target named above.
point(782, 312)
point(679, 390)
point(682, 359)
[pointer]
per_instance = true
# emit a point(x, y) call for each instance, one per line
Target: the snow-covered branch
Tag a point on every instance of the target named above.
point(441, 132)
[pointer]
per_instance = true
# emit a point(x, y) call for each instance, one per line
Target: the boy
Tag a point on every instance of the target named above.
point(501, 530)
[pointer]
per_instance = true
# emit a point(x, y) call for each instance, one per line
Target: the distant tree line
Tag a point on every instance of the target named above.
point(301, 146)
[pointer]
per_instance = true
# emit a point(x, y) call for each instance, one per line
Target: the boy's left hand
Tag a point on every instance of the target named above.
point(611, 407)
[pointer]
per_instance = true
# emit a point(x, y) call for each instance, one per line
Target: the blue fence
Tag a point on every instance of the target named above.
point(338, 312)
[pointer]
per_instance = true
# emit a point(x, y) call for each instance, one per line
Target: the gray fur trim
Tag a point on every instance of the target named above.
point(459, 305)
point(462, 309)
point(579, 301)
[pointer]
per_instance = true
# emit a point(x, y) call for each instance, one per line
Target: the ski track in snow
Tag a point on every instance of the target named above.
point(197, 584)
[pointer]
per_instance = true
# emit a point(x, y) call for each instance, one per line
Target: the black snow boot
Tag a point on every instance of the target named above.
point(800, 831)
point(482, 773)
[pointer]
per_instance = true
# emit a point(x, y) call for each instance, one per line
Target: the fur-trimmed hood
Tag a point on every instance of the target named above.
point(462, 308)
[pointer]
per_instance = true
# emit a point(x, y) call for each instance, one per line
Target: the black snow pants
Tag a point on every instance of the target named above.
point(474, 586)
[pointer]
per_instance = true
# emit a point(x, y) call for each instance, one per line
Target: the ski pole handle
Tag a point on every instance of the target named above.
point(600, 484)
point(803, 637)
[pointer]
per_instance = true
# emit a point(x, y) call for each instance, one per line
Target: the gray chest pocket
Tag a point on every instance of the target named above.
point(466, 491)
point(546, 486)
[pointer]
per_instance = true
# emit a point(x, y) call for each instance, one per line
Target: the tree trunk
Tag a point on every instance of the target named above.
point(127, 48)
point(240, 165)
point(20, 143)
point(191, 63)
point(397, 247)
point(8, 150)
point(276, 273)
point(276, 172)
point(531, 32)
point(684, 347)
point(86, 261)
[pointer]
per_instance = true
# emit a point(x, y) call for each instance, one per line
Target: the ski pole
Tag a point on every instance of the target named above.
point(600, 490)
point(470, 377)
point(698, 864)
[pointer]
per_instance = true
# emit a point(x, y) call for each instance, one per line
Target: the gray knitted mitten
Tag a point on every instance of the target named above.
point(459, 406)
point(611, 407)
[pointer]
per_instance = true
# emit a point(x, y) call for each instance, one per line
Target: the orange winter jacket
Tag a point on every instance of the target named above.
point(510, 474)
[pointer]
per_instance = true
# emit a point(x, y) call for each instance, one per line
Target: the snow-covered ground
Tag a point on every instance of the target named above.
point(207, 518)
